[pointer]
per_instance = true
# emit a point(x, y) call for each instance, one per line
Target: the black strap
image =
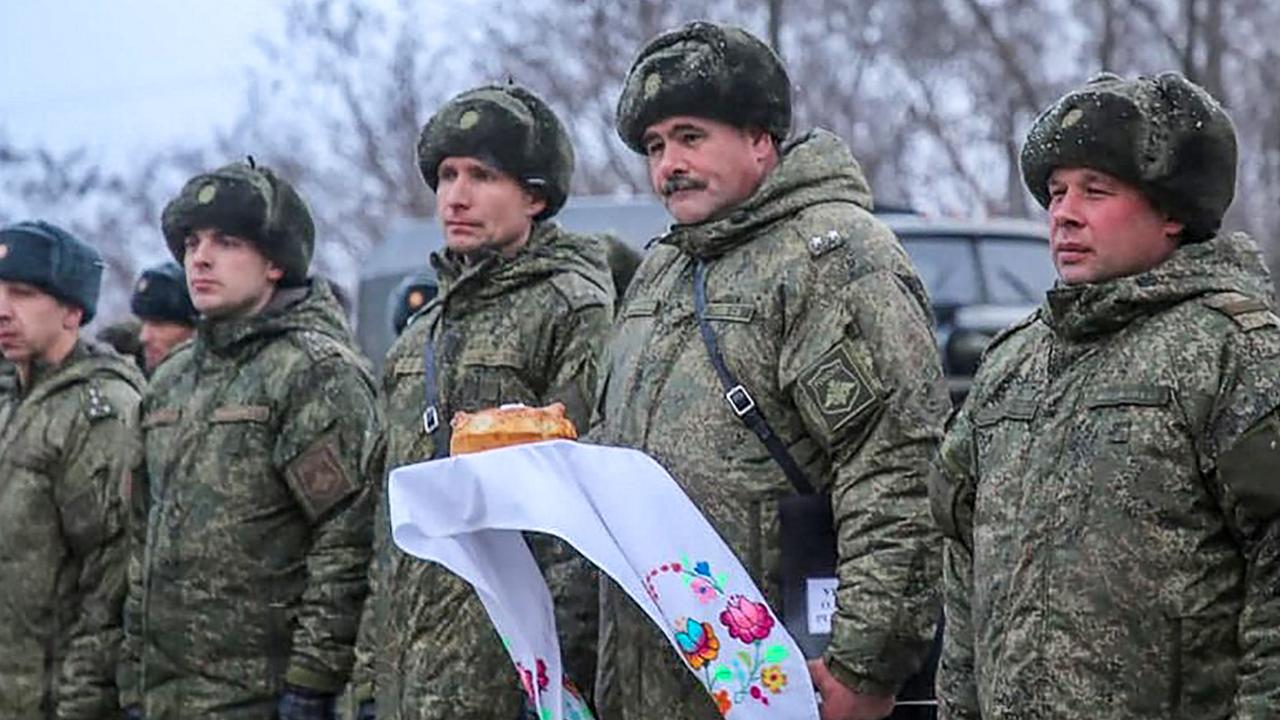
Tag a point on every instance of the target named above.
point(740, 401)
point(431, 414)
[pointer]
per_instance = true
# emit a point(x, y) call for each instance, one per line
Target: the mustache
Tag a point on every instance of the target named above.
point(681, 182)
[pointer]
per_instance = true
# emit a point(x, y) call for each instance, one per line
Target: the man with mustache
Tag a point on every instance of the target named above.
point(1111, 500)
point(251, 523)
point(824, 324)
point(68, 409)
point(520, 317)
point(161, 302)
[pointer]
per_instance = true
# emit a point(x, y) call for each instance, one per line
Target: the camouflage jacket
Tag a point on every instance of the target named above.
point(527, 330)
point(821, 316)
point(1112, 503)
point(65, 450)
point(251, 519)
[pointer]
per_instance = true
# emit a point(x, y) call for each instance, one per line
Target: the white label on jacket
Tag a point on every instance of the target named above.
point(820, 595)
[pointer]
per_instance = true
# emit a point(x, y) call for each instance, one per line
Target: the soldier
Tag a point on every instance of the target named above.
point(67, 413)
point(819, 315)
point(521, 316)
point(245, 600)
point(1112, 493)
point(411, 295)
point(163, 305)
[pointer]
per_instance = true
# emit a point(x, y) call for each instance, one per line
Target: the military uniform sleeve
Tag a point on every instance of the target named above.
point(579, 343)
point(369, 641)
point(952, 496)
point(136, 492)
point(1247, 474)
point(88, 494)
point(864, 373)
point(577, 349)
point(324, 450)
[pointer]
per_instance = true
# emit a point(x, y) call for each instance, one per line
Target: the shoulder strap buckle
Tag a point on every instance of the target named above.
point(740, 400)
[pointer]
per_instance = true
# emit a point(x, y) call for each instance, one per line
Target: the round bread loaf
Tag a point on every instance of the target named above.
point(509, 425)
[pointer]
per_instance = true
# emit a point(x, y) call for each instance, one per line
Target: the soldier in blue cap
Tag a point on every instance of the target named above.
point(161, 301)
point(67, 415)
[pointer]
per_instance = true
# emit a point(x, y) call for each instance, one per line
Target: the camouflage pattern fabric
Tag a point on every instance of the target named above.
point(821, 316)
point(1112, 503)
point(65, 450)
point(251, 523)
point(528, 330)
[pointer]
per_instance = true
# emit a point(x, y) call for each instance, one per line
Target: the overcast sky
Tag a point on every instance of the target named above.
point(124, 75)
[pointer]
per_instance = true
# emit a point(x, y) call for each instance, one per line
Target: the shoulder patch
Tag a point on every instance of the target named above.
point(837, 388)
point(320, 479)
point(823, 243)
point(1249, 313)
point(96, 404)
point(578, 291)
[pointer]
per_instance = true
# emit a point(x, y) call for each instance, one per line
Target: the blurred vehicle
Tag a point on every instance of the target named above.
point(981, 275)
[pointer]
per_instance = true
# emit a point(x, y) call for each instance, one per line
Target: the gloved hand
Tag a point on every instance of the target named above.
point(298, 703)
point(367, 711)
point(133, 712)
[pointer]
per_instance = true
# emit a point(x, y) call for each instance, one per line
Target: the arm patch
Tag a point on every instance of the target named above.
point(836, 388)
point(319, 479)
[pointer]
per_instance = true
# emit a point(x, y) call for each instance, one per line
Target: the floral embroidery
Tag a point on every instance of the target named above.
point(731, 675)
point(747, 621)
point(698, 642)
point(723, 703)
point(526, 678)
point(773, 678)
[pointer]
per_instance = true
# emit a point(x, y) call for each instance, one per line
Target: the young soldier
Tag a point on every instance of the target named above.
point(163, 305)
point(1112, 494)
point(67, 415)
point(245, 599)
point(825, 328)
point(521, 315)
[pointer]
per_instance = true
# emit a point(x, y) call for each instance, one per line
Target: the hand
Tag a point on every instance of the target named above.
point(841, 703)
point(298, 703)
point(133, 712)
point(367, 711)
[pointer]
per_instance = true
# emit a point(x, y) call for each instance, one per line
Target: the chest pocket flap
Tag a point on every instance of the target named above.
point(492, 357)
point(1016, 407)
point(1121, 395)
point(241, 413)
point(730, 312)
point(640, 308)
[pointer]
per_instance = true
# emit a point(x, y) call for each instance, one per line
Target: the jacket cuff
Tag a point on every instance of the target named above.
point(857, 681)
point(309, 679)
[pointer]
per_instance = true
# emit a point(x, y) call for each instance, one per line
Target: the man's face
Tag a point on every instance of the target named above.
point(482, 207)
point(158, 337)
point(703, 168)
point(227, 276)
point(33, 323)
point(1102, 228)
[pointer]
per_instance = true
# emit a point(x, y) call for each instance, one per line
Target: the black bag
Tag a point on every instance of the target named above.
point(808, 535)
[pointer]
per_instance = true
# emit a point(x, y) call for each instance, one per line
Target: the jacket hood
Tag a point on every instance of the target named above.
point(550, 251)
point(312, 307)
point(1225, 263)
point(815, 168)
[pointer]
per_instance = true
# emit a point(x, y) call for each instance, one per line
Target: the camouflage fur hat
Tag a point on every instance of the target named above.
point(508, 127)
point(705, 70)
point(1164, 134)
point(161, 294)
point(46, 256)
point(250, 201)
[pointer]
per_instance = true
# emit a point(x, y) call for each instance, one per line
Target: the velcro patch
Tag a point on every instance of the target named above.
point(839, 390)
point(241, 413)
point(319, 479)
point(161, 416)
point(1250, 313)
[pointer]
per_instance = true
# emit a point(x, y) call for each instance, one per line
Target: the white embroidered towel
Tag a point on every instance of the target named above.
point(624, 513)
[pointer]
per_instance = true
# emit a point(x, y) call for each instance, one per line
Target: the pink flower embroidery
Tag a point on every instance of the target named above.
point(702, 590)
point(746, 620)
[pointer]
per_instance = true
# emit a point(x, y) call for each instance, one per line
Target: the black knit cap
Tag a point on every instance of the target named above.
point(705, 70)
point(1165, 135)
point(250, 201)
point(161, 294)
point(51, 258)
point(508, 127)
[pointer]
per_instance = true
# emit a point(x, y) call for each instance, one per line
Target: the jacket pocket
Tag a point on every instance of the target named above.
point(494, 376)
point(1202, 664)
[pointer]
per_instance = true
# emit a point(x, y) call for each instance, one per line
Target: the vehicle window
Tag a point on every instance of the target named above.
point(1017, 270)
point(947, 267)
